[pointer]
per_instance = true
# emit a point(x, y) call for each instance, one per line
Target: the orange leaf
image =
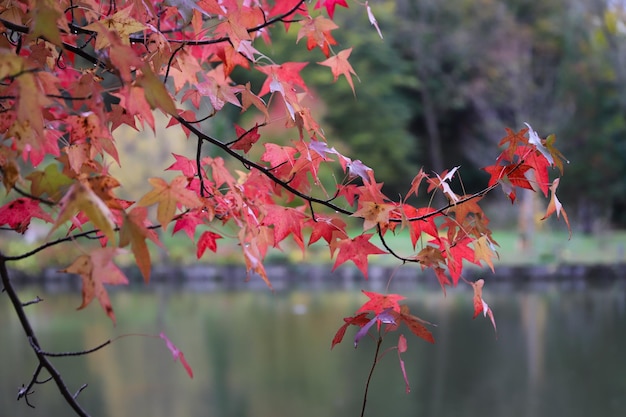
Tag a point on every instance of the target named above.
point(339, 64)
point(555, 206)
point(415, 324)
point(97, 269)
point(135, 232)
point(168, 197)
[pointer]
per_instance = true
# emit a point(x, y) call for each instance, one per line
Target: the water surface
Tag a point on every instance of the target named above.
point(557, 353)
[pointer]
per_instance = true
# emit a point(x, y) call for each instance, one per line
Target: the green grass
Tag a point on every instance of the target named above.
point(547, 248)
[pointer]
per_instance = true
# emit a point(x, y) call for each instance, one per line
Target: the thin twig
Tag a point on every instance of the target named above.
point(369, 377)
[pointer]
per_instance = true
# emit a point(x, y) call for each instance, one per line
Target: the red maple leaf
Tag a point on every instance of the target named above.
point(356, 250)
point(188, 167)
point(328, 228)
point(380, 302)
point(245, 138)
point(188, 222)
point(535, 160)
point(456, 253)
point(330, 5)
point(18, 213)
point(417, 227)
point(513, 140)
point(207, 241)
point(286, 221)
point(358, 320)
point(509, 176)
point(287, 73)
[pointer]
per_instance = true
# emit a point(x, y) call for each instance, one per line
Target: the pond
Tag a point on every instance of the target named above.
point(558, 352)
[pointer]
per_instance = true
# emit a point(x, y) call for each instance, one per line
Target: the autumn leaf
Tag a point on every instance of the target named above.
point(380, 302)
point(245, 138)
point(156, 93)
point(327, 228)
point(285, 221)
point(248, 98)
point(556, 206)
point(330, 5)
point(415, 324)
point(134, 231)
point(317, 32)
point(557, 156)
point(462, 210)
point(19, 212)
point(402, 347)
point(484, 251)
point(456, 252)
point(339, 65)
point(384, 316)
point(168, 197)
point(207, 241)
point(96, 269)
point(188, 222)
point(188, 167)
point(10, 175)
point(177, 354)
point(480, 306)
point(356, 250)
point(374, 214)
point(513, 140)
point(48, 16)
point(120, 23)
point(358, 320)
point(81, 198)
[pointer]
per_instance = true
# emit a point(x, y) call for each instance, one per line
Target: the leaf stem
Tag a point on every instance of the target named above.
point(369, 377)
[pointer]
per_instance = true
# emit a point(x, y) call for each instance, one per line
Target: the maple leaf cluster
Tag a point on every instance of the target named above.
point(71, 76)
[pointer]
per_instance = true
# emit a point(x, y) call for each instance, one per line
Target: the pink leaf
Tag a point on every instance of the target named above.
point(177, 354)
point(402, 346)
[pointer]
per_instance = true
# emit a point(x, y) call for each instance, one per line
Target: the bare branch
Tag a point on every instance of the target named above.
point(30, 334)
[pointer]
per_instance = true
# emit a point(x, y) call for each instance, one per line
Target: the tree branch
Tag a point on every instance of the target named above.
point(30, 334)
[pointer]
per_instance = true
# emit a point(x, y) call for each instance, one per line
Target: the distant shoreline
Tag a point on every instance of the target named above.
point(202, 277)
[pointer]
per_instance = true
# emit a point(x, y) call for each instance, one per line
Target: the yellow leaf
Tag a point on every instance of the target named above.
point(168, 196)
point(81, 198)
point(374, 214)
point(483, 251)
point(120, 23)
point(46, 16)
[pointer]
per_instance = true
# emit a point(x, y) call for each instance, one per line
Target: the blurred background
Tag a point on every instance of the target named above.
point(436, 92)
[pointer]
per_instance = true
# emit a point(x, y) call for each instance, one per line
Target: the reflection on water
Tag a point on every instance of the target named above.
point(267, 355)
